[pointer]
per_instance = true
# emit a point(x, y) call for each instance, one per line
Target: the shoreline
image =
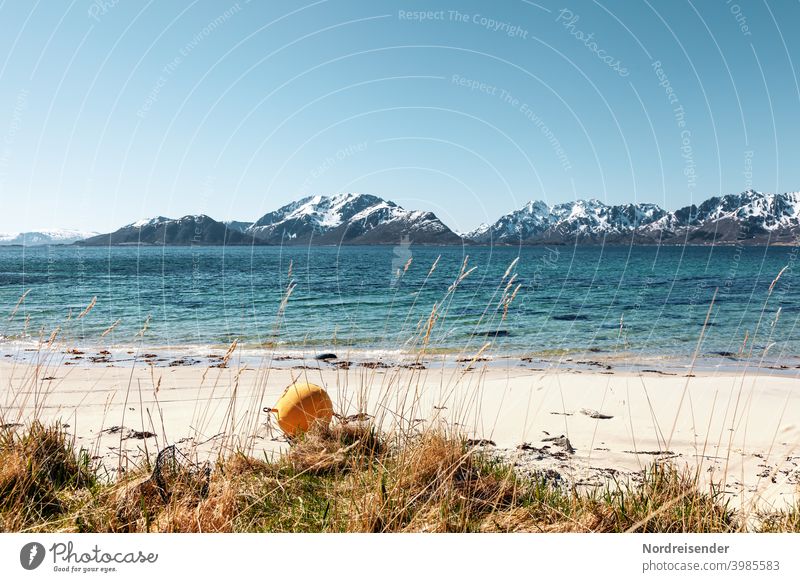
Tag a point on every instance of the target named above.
point(342, 357)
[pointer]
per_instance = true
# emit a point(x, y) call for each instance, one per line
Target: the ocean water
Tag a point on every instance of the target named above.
point(608, 300)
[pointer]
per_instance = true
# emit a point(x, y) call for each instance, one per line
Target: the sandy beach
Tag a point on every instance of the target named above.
point(578, 427)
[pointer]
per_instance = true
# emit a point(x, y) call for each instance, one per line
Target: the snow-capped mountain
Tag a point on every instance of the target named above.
point(45, 237)
point(748, 218)
point(188, 230)
point(751, 217)
point(349, 219)
point(582, 219)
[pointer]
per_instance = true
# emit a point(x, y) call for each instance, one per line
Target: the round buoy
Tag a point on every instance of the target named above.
point(301, 405)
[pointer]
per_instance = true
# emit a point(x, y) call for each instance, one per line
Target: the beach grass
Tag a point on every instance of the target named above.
point(346, 478)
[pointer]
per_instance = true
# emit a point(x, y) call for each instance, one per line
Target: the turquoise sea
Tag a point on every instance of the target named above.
point(608, 300)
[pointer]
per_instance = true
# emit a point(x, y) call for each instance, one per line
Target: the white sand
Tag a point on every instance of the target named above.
point(744, 431)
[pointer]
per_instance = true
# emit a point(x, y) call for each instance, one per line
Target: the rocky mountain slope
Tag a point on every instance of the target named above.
point(750, 218)
point(188, 230)
point(349, 219)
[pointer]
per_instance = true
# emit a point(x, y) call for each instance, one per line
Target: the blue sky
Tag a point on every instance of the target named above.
point(111, 111)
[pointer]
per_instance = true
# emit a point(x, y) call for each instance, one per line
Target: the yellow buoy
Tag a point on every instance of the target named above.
point(301, 405)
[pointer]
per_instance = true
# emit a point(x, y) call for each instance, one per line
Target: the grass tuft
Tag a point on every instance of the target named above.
point(37, 464)
point(345, 478)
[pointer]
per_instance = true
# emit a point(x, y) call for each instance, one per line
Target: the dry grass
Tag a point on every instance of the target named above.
point(669, 500)
point(35, 465)
point(780, 521)
point(346, 478)
point(335, 449)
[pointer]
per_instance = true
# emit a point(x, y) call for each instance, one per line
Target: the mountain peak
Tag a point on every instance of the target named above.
point(350, 218)
point(536, 206)
point(142, 222)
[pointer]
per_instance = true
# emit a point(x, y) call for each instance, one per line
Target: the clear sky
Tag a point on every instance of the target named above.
point(115, 110)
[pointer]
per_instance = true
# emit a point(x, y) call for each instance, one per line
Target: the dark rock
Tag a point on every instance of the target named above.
point(140, 434)
point(561, 441)
point(480, 443)
point(414, 366)
point(659, 372)
point(374, 365)
point(570, 317)
point(498, 333)
point(595, 414)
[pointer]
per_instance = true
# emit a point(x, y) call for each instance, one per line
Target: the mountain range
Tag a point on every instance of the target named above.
point(325, 220)
point(748, 218)
point(44, 237)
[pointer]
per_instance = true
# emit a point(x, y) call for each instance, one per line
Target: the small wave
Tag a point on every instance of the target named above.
point(570, 317)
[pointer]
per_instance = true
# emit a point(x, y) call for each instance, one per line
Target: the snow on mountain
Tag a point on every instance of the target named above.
point(766, 211)
point(750, 217)
point(148, 222)
point(351, 219)
point(582, 218)
point(522, 224)
point(320, 213)
point(753, 216)
point(45, 237)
